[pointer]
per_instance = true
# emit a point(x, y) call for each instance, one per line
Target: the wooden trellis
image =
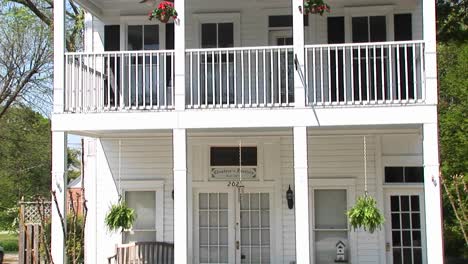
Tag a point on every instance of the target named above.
point(32, 216)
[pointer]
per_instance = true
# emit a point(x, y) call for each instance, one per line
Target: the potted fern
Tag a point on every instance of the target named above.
point(120, 217)
point(365, 214)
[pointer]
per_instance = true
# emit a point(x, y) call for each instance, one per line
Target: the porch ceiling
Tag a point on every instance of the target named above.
point(112, 8)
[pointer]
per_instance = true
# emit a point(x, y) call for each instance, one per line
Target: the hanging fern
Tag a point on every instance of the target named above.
point(120, 216)
point(365, 214)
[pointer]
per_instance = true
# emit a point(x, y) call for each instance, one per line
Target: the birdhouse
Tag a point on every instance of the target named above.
point(340, 252)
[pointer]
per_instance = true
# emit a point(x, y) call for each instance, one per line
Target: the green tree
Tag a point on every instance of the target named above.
point(453, 123)
point(25, 159)
point(452, 20)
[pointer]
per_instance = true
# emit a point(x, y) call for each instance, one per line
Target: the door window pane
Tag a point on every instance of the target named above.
point(325, 245)
point(225, 35)
point(378, 29)
point(143, 37)
point(330, 209)
point(360, 29)
point(209, 35)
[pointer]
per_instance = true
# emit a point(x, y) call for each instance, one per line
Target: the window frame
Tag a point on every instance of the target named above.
point(368, 11)
point(256, 167)
point(203, 18)
point(348, 184)
point(156, 186)
point(126, 21)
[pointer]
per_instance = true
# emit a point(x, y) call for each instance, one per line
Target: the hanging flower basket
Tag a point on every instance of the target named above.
point(316, 7)
point(163, 12)
point(120, 217)
point(365, 214)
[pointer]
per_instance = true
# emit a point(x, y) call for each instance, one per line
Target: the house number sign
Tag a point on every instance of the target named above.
point(232, 174)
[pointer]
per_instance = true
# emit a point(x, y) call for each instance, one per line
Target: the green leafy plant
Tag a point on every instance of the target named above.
point(315, 7)
point(365, 214)
point(120, 216)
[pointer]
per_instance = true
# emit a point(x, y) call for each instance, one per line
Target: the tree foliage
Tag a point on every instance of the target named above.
point(452, 20)
point(25, 159)
point(453, 122)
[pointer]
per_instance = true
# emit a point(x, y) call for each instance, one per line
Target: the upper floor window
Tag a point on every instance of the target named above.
point(217, 35)
point(143, 37)
point(404, 175)
point(369, 29)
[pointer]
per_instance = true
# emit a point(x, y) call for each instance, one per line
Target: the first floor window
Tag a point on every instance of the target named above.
point(144, 204)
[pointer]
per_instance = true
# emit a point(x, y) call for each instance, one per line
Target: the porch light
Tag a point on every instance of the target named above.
point(290, 198)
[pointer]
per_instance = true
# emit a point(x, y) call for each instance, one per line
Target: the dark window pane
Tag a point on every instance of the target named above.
point(405, 203)
point(405, 221)
point(225, 35)
point(393, 174)
point(360, 30)
point(336, 30)
point(280, 21)
point(416, 220)
point(209, 35)
point(417, 238)
point(414, 203)
point(151, 35)
point(170, 36)
point(397, 256)
point(403, 27)
point(112, 38)
point(378, 29)
point(414, 174)
point(284, 21)
point(135, 37)
point(396, 238)
point(229, 156)
point(395, 203)
point(395, 221)
point(417, 256)
point(406, 238)
point(407, 256)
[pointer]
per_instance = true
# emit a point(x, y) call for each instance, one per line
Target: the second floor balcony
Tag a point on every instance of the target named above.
point(382, 73)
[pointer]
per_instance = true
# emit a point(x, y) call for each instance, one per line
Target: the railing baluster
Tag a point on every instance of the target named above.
point(368, 81)
point(256, 78)
point(345, 84)
point(279, 76)
point(415, 90)
point(423, 77)
point(336, 76)
point(242, 79)
point(264, 78)
point(329, 75)
point(314, 81)
point(359, 75)
point(287, 75)
point(220, 91)
point(376, 97)
point(272, 77)
point(249, 68)
point(390, 72)
point(382, 73)
point(234, 100)
point(399, 90)
point(406, 73)
point(321, 77)
point(198, 79)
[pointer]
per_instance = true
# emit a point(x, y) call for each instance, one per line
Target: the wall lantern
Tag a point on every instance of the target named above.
point(290, 198)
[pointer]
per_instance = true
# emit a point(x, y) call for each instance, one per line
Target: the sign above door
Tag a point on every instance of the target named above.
point(230, 174)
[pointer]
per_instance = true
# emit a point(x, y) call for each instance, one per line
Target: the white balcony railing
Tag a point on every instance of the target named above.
point(119, 81)
point(366, 73)
point(384, 73)
point(239, 77)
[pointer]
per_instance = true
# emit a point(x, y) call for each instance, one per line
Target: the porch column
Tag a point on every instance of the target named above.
point(179, 56)
point(59, 139)
point(430, 58)
point(59, 55)
point(59, 187)
point(432, 194)
point(301, 195)
point(180, 196)
point(298, 42)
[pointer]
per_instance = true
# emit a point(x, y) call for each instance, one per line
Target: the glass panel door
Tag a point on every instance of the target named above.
point(405, 232)
point(254, 228)
point(213, 228)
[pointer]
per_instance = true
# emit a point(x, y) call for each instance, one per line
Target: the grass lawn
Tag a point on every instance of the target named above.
point(9, 242)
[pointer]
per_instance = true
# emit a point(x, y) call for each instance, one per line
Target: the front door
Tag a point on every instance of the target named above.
point(405, 233)
point(232, 226)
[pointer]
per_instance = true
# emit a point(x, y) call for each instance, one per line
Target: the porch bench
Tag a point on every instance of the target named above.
point(143, 253)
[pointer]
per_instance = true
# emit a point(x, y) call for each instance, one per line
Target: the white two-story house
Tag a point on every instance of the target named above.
point(242, 131)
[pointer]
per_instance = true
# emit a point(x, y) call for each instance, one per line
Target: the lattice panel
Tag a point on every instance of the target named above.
point(33, 212)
